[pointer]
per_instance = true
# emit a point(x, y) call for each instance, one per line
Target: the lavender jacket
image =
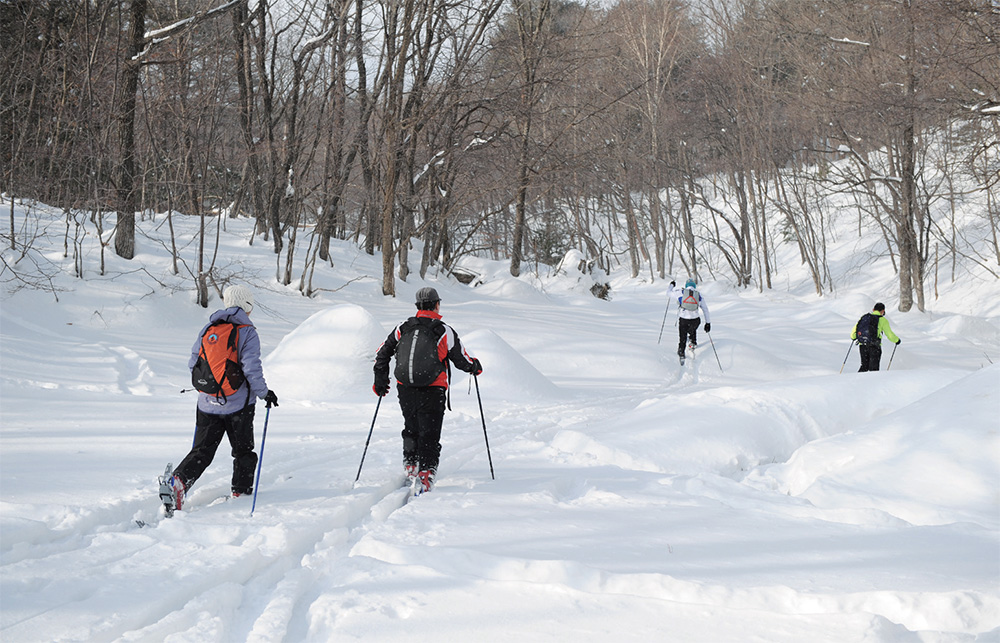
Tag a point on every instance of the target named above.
point(248, 349)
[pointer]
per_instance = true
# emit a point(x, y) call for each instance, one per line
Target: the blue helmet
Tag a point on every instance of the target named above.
point(690, 284)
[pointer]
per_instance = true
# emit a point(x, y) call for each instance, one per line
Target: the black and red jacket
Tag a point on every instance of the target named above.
point(449, 347)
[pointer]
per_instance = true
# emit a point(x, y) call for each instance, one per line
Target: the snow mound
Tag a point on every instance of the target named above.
point(328, 355)
point(886, 464)
point(577, 273)
point(507, 288)
point(962, 327)
point(506, 374)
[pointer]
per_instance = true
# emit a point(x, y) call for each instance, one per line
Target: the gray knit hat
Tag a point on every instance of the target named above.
point(238, 296)
point(427, 295)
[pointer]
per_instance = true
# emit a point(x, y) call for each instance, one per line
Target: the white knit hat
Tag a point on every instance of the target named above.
point(238, 296)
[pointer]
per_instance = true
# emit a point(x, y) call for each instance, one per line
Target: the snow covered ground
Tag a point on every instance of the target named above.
point(757, 494)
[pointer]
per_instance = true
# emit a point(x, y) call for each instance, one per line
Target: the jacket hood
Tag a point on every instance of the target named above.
point(234, 314)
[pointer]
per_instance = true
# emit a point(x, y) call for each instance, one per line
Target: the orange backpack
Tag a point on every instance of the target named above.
point(217, 371)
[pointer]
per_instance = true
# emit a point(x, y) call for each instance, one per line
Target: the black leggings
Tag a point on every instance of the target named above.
point(207, 438)
point(687, 328)
point(423, 415)
point(871, 357)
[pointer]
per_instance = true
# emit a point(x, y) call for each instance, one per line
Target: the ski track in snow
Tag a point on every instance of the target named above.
point(270, 572)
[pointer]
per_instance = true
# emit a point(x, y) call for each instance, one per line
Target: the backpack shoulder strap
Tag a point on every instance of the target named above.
point(234, 335)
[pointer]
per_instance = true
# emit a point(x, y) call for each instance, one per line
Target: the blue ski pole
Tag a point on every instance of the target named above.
point(260, 460)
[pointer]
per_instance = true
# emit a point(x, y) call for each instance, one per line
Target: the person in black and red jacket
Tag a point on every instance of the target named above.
point(423, 346)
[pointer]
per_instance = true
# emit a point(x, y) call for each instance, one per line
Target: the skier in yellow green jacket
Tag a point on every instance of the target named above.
point(868, 333)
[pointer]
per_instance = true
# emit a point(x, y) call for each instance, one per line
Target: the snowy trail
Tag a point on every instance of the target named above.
point(767, 499)
point(314, 530)
point(217, 544)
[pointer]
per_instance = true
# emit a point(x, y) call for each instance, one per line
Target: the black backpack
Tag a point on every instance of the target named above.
point(417, 360)
point(867, 331)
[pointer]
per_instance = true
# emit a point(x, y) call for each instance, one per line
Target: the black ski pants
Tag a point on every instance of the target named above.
point(687, 328)
point(871, 357)
point(207, 438)
point(423, 415)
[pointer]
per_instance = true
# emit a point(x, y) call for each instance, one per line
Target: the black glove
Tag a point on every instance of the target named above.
point(708, 327)
point(477, 368)
point(381, 386)
point(898, 342)
point(271, 399)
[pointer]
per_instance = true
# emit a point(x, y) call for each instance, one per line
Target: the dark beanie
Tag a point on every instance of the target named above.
point(880, 307)
point(427, 296)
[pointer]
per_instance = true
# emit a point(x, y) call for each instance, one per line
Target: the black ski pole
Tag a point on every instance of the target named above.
point(891, 356)
point(711, 341)
point(260, 460)
point(358, 477)
point(483, 416)
point(848, 355)
point(664, 323)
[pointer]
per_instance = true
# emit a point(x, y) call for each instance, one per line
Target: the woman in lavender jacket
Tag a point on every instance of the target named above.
point(231, 415)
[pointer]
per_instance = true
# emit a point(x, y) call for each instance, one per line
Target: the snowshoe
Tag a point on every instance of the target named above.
point(167, 491)
point(411, 473)
point(424, 482)
point(171, 491)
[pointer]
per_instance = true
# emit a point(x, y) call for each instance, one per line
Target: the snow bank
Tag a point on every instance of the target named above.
point(932, 462)
point(730, 430)
point(328, 356)
point(507, 375)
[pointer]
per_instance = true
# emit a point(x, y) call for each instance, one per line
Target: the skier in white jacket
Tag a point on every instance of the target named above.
point(689, 301)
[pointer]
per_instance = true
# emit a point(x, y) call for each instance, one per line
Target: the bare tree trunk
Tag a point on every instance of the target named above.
point(531, 18)
point(127, 88)
point(523, 163)
point(252, 178)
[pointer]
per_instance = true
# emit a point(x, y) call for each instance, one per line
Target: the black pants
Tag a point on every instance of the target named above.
point(871, 357)
point(207, 438)
point(423, 415)
point(687, 328)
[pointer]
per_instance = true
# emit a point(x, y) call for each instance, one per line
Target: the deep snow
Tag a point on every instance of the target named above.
point(760, 495)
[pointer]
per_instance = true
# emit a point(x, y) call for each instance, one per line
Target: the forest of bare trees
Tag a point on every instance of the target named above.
point(662, 135)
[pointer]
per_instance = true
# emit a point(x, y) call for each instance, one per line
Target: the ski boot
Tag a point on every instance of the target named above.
point(425, 481)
